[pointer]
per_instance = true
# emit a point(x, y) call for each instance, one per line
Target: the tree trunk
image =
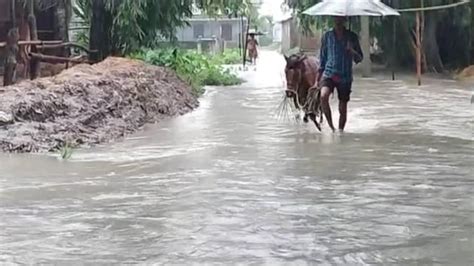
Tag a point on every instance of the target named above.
point(34, 64)
point(96, 31)
point(430, 45)
point(99, 33)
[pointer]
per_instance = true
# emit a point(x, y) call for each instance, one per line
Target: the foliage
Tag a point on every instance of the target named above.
point(131, 24)
point(196, 69)
point(83, 11)
point(230, 8)
point(127, 25)
point(66, 151)
point(228, 57)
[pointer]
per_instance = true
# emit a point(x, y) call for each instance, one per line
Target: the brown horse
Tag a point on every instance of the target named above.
point(301, 72)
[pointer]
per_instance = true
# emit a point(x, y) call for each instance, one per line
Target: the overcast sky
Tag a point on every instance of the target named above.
point(271, 7)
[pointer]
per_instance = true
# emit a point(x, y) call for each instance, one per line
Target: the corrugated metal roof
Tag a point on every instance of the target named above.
point(205, 18)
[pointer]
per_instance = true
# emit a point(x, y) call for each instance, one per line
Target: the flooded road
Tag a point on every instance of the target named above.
point(230, 184)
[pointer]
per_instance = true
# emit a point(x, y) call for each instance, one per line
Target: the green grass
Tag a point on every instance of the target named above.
point(66, 151)
point(197, 69)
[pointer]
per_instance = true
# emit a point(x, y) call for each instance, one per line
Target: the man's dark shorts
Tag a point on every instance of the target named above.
point(343, 89)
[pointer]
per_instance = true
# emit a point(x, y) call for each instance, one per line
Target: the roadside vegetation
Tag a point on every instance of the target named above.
point(135, 28)
point(198, 70)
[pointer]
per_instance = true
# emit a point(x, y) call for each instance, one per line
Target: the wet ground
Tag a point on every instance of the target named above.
point(230, 184)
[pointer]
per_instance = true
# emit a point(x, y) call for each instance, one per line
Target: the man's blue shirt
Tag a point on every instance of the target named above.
point(336, 60)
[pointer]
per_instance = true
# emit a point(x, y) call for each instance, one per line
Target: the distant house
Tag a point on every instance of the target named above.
point(226, 31)
point(277, 32)
point(292, 36)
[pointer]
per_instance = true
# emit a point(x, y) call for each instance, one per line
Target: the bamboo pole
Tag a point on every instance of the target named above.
point(38, 42)
point(34, 64)
point(246, 41)
point(241, 34)
point(56, 59)
point(63, 45)
point(418, 48)
point(431, 8)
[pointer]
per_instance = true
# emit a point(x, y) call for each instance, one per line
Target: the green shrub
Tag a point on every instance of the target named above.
point(216, 77)
point(196, 69)
point(228, 57)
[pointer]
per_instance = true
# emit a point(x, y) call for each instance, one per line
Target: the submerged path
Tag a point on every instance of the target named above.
point(230, 184)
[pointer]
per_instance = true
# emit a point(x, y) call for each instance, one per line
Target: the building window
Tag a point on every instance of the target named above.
point(226, 32)
point(198, 30)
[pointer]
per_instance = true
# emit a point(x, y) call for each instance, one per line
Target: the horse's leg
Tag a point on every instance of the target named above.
point(295, 102)
point(321, 116)
point(313, 118)
point(298, 108)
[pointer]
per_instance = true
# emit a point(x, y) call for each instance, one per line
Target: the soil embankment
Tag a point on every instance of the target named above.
point(88, 105)
point(467, 73)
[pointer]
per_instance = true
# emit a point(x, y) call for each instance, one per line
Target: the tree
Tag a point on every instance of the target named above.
point(122, 26)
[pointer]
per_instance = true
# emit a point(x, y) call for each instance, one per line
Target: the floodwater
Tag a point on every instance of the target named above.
point(230, 184)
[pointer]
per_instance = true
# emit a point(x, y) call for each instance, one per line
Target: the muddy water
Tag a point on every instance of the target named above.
point(229, 184)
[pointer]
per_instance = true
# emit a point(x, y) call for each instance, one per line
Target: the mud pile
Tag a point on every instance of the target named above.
point(467, 73)
point(88, 105)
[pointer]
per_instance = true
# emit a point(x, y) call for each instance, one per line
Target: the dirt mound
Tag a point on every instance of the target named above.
point(89, 105)
point(468, 72)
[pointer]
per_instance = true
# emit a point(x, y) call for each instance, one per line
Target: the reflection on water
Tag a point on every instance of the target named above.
point(230, 184)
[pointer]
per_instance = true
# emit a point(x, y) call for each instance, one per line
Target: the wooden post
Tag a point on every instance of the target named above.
point(11, 51)
point(418, 47)
point(10, 57)
point(34, 63)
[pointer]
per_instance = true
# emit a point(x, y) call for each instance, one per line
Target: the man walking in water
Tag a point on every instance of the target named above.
point(339, 48)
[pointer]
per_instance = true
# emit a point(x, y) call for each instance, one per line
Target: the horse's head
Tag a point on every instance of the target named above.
point(293, 73)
